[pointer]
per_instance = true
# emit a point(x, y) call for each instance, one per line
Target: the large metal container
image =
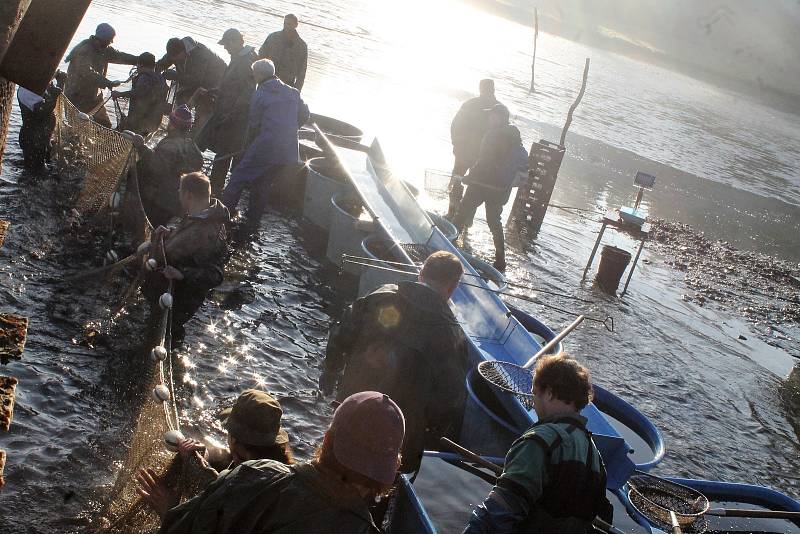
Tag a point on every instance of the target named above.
point(377, 246)
point(325, 179)
point(349, 226)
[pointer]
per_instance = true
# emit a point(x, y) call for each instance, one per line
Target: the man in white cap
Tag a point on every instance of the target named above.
point(86, 73)
point(276, 114)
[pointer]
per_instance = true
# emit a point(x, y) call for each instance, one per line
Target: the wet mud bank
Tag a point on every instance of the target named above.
point(758, 287)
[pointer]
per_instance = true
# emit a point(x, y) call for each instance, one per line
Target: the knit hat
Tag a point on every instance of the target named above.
point(368, 430)
point(146, 59)
point(181, 116)
point(263, 69)
point(105, 32)
point(255, 419)
point(175, 46)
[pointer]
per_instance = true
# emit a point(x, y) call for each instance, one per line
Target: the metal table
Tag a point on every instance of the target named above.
point(613, 220)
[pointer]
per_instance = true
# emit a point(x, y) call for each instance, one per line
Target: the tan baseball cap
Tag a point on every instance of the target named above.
point(255, 419)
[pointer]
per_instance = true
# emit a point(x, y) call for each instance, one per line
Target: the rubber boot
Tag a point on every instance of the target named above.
point(456, 192)
point(499, 251)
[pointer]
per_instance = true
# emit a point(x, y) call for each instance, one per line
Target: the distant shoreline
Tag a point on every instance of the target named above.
point(770, 96)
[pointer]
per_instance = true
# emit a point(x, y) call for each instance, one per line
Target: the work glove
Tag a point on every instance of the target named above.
point(170, 74)
point(327, 382)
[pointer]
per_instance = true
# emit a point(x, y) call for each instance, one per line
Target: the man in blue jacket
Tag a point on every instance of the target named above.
point(490, 180)
point(276, 114)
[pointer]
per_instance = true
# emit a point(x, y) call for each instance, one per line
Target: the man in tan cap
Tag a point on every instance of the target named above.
point(357, 461)
point(254, 433)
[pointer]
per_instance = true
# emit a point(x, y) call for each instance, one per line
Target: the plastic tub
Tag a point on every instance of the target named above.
point(613, 262)
point(325, 179)
point(348, 228)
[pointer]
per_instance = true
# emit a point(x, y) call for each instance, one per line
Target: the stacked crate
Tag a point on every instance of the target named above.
point(533, 197)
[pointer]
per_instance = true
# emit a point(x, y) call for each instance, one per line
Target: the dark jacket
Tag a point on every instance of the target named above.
point(148, 102)
point(290, 57)
point(201, 68)
point(265, 496)
point(500, 157)
point(86, 73)
point(403, 340)
point(554, 481)
point(159, 173)
point(226, 131)
point(37, 127)
point(469, 126)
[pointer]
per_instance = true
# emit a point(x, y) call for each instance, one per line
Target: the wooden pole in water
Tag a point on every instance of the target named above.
point(575, 104)
point(11, 13)
point(535, 38)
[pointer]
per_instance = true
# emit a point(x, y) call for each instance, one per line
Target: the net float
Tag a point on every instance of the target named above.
point(161, 393)
point(144, 247)
point(158, 354)
point(165, 301)
point(83, 116)
point(171, 439)
point(115, 201)
point(151, 264)
point(112, 256)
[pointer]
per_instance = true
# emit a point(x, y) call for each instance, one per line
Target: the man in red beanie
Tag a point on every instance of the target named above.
point(357, 461)
point(160, 169)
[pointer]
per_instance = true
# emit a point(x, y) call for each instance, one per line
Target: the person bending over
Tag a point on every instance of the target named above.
point(87, 69)
point(356, 462)
point(148, 97)
point(554, 480)
point(38, 122)
point(404, 340)
point(160, 169)
point(196, 251)
point(276, 114)
point(254, 433)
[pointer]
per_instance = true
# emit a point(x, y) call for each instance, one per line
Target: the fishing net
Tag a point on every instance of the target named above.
point(101, 155)
point(437, 184)
point(655, 497)
point(509, 377)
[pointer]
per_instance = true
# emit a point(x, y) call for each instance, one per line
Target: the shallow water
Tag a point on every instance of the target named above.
point(719, 400)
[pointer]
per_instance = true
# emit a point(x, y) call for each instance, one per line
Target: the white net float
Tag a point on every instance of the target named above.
point(158, 354)
point(161, 393)
point(151, 264)
point(112, 256)
point(171, 439)
point(165, 301)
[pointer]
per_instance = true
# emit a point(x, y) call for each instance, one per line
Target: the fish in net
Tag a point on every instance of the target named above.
point(100, 154)
point(654, 498)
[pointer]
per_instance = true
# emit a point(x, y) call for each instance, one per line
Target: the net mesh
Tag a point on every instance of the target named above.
point(100, 158)
point(655, 497)
point(437, 184)
point(509, 377)
point(99, 153)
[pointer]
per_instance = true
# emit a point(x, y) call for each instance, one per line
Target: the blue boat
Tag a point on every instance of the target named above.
point(627, 440)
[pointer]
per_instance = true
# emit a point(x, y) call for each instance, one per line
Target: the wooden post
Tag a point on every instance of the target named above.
point(535, 37)
point(11, 12)
point(575, 104)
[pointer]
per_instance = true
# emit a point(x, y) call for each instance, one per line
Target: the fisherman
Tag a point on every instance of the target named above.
point(288, 52)
point(500, 159)
point(226, 130)
point(356, 462)
point(38, 122)
point(160, 169)
point(196, 67)
point(554, 480)
point(195, 252)
point(466, 132)
point(276, 114)
point(86, 73)
point(254, 433)
point(404, 340)
point(148, 97)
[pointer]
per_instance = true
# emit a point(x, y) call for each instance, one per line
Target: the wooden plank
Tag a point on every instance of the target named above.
point(2, 466)
point(40, 41)
point(8, 385)
point(3, 231)
point(13, 332)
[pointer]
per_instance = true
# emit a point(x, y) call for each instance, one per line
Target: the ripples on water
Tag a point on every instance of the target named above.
point(717, 399)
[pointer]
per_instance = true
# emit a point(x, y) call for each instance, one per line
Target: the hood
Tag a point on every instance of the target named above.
point(215, 212)
point(246, 51)
point(428, 305)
